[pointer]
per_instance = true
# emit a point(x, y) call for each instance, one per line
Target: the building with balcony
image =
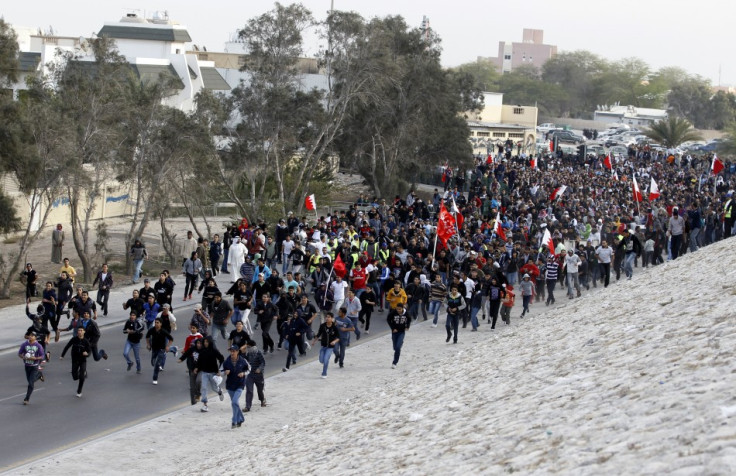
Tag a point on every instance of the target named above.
point(530, 51)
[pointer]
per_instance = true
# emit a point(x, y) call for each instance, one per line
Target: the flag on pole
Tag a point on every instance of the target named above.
point(534, 163)
point(607, 162)
point(557, 193)
point(339, 266)
point(445, 225)
point(489, 160)
point(552, 146)
point(498, 229)
point(547, 241)
point(615, 175)
point(716, 166)
point(653, 190)
point(637, 192)
point(459, 218)
point(310, 202)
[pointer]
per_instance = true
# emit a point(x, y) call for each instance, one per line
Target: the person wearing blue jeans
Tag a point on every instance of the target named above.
point(399, 321)
point(353, 307)
point(133, 328)
point(158, 342)
point(328, 336)
point(236, 368)
point(344, 327)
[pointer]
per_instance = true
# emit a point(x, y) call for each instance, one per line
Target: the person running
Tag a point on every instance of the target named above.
point(104, 282)
point(236, 368)
point(266, 312)
point(238, 336)
point(81, 349)
point(527, 292)
point(353, 306)
point(328, 337)
point(437, 295)
point(293, 330)
point(455, 305)
point(257, 364)
point(604, 253)
point(191, 269)
point(367, 302)
point(158, 342)
point(133, 329)
point(345, 327)
point(208, 364)
point(399, 321)
point(92, 334)
point(191, 355)
point(32, 353)
point(553, 269)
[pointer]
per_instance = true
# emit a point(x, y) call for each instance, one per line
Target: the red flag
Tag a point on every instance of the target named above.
point(653, 190)
point(489, 160)
point(444, 176)
point(310, 202)
point(557, 193)
point(534, 162)
point(445, 224)
point(498, 229)
point(548, 242)
point(637, 192)
point(716, 166)
point(339, 266)
point(607, 162)
point(551, 146)
point(459, 218)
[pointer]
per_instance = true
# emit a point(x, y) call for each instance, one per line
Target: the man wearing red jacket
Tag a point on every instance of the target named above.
point(531, 269)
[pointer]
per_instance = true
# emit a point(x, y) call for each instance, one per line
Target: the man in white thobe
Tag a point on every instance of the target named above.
point(236, 258)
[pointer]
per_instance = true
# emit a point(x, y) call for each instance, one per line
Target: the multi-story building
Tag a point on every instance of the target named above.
point(497, 123)
point(530, 51)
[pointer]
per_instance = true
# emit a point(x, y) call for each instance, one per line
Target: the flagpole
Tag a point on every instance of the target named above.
point(327, 286)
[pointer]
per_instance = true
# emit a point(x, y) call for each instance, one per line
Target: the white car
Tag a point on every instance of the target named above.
point(546, 127)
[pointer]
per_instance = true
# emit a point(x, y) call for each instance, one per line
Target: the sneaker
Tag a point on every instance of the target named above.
point(284, 369)
point(238, 425)
point(41, 378)
point(447, 340)
point(104, 355)
point(155, 382)
point(434, 325)
point(246, 409)
point(160, 369)
point(324, 376)
point(25, 402)
point(368, 332)
point(220, 394)
point(232, 426)
point(342, 365)
point(309, 346)
point(393, 366)
point(79, 395)
point(263, 403)
point(204, 409)
point(357, 337)
point(484, 317)
point(130, 366)
point(185, 298)
point(138, 371)
point(336, 359)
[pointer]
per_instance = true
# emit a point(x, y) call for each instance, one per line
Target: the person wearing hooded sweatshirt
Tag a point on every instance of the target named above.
point(80, 350)
point(527, 291)
point(208, 364)
point(293, 331)
point(158, 342)
point(191, 355)
point(399, 321)
point(255, 377)
point(39, 327)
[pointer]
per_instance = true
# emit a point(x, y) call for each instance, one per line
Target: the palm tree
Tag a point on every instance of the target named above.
point(672, 132)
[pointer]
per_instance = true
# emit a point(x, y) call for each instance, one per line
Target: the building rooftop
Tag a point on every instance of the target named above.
point(139, 31)
point(496, 125)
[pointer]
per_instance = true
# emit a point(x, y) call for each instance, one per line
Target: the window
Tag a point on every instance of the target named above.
point(483, 134)
point(499, 134)
point(507, 57)
point(516, 135)
point(518, 110)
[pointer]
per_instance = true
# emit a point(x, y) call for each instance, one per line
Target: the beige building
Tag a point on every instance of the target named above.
point(530, 51)
point(499, 122)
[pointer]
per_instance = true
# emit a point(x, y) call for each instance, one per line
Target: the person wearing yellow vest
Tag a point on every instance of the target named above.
point(728, 215)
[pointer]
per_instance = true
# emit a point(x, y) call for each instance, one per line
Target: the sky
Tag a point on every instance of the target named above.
point(696, 36)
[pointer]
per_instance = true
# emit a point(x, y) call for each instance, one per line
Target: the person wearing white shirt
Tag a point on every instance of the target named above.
point(572, 263)
point(338, 287)
point(286, 247)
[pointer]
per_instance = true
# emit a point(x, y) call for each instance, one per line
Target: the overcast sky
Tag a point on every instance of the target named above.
point(697, 36)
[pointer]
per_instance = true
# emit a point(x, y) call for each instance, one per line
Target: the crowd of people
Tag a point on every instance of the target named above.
point(386, 256)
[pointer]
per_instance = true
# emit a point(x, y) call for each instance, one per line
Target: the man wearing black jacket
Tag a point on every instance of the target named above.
point(257, 364)
point(158, 342)
point(328, 337)
point(133, 328)
point(208, 365)
point(80, 350)
point(631, 245)
point(399, 321)
point(266, 312)
point(293, 331)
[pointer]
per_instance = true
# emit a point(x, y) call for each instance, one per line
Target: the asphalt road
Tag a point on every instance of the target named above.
point(113, 398)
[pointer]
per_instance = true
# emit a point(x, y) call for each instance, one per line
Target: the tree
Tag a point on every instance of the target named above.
point(91, 97)
point(409, 116)
point(728, 146)
point(672, 132)
point(484, 73)
point(576, 73)
point(690, 99)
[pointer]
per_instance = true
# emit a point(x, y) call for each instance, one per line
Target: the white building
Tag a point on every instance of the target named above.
point(630, 115)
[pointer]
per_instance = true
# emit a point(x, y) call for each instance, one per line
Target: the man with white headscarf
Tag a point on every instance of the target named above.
point(236, 257)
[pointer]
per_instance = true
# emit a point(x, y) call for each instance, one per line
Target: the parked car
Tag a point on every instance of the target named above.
point(567, 136)
point(546, 127)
